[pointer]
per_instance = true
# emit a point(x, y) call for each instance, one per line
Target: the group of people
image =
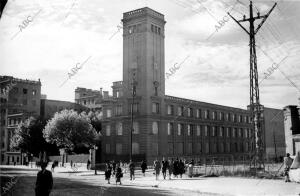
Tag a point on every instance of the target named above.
point(172, 167)
point(177, 167)
point(113, 169)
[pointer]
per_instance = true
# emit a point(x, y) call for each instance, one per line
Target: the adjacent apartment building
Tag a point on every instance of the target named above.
point(20, 99)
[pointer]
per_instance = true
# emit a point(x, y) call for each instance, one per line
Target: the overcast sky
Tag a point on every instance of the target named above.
point(60, 34)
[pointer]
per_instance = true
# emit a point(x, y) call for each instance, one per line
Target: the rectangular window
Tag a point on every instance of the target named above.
point(214, 115)
point(189, 148)
point(189, 131)
point(246, 147)
point(234, 118)
point(170, 109)
point(107, 130)
point(227, 147)
point(158, 30)
point(33, 92)
point(135, 128)
point(198, 113)
point(170, 148)
point(108, 113)
point(152, 28)
point(119, 149)
point(221, 115)
point(245, 133)
point(154, 148)
point(135, 148)
point(228, 116)
point(180, 148)
point(155, 127)
point(221, 131)
point(179, 129)
point(119, 128)
point(198, 148)
point(25, 91)
point(234, 132)
point(198, 130)
point(190, 112)
point(240, 118)
point(118, 109)
point(240, 132)
point(213, 131)
point(107, 148)
point(221, 147)
point(206, 114)
point(206, 147)
point(206, 130)
point(155, 108)
point(180, 111)
point(227, 132)
point(170, 128)
point(214, 147)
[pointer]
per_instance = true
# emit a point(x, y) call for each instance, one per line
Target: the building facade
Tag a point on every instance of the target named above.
point(20, 99)
point(292, 129)
point(50, 107)
point(161, 125)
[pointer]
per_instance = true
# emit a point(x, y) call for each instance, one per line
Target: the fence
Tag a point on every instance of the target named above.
point(238, 168)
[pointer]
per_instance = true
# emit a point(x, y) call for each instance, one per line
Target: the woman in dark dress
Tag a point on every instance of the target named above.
point(119, 174)
point(144, 167)
point(108, 172)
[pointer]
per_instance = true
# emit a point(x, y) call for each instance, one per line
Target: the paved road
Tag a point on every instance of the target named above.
point(86, 183)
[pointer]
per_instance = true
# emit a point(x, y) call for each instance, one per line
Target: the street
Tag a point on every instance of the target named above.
point(83, 182)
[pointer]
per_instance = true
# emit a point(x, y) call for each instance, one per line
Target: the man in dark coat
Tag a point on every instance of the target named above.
point(165, 166)
point(44, 181)
point(144, 167)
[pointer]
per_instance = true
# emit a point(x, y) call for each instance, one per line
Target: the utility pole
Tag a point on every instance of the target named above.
point(255, 107)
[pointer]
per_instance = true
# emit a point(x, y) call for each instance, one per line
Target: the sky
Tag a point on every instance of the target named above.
point(75, 43)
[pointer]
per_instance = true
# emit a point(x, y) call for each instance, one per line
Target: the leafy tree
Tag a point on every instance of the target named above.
point(95, 118)
point(70, 130)
point(28, 137)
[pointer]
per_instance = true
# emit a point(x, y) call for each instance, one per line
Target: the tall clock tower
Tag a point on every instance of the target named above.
point(143, 56)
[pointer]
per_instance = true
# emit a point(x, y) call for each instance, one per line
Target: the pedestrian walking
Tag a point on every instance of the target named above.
point(108, 172)
point(44, 181)
point(287, 166)
point(114, 167)
point(165, 166)
point(176, 168)
point(119, 174)
point(181, 168)
point(53, 166)
point(144, 167)
point(131, 170)
point(171, 168)
point(190, 168)
point(157, 167)
point(88, 164)
point(71, 164)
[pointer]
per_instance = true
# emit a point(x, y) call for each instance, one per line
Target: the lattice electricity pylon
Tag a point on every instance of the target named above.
point(255, 106)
